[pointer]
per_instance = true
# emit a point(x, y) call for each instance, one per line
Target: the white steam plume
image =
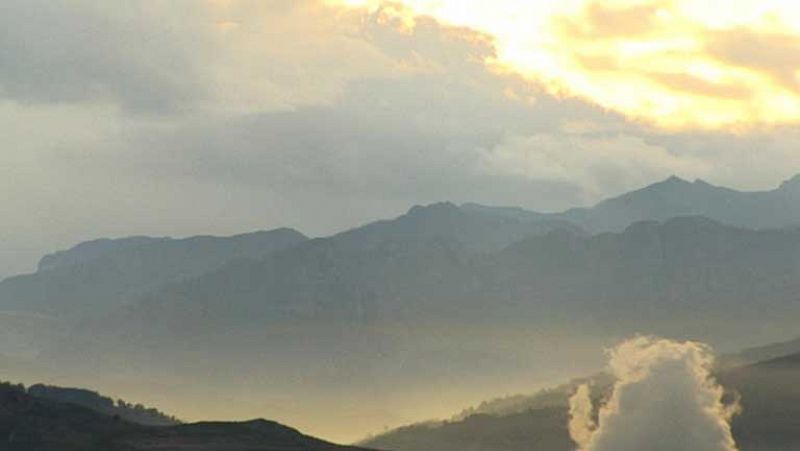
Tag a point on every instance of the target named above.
point(664, 399)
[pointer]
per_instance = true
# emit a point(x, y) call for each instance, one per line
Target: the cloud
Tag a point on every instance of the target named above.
point(80, 51)
point(751, 161)
point(687, 68)
point(675, 64)
point(664, 399)
point(418, 135)
point(320, 125)
point(774, 54)
point(279, 55)
point(599, 162)
point(185, 56)
point(601, 21)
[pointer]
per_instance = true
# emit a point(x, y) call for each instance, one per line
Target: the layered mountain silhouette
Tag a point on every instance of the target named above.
point(107, 273)
point(652, 272)
point(678, 197)
point(442, 296)
point(98, 276)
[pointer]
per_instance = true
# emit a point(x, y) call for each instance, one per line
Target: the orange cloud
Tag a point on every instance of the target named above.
point(774, 54)
point(676, 64)
point(603, 22)
point(656, 62)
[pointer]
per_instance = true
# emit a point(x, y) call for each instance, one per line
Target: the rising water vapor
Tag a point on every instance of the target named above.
point(664, 399)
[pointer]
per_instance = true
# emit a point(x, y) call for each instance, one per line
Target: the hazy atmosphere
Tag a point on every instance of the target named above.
point(409, 225)
point(193, 117)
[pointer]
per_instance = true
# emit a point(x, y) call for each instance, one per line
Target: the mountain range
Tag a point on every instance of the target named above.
point(444, 297)
point(105, 273)
point(98, 276)
point(678, 197)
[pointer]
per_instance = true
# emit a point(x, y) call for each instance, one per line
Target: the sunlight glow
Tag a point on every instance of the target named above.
point(674, 63)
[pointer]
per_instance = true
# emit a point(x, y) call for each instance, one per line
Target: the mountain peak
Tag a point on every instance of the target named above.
point(792, 183)
point(438, 207)
point(669, 184)
point(677, 183)
point(675, 179)
point(672, 181)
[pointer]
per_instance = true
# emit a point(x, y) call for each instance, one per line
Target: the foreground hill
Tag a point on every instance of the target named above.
point(542, 429)
point(134, 413)
point(31, 423)
point(769, 421)
point(763, 353)
point(257, 435)
point(770, 418)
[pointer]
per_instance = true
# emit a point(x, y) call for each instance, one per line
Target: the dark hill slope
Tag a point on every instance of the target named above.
point(769, 421)
point(542, 429)
point(256, 435)
point(134, 413)
point(764, 353)
point(29, 423)
point(770, 418)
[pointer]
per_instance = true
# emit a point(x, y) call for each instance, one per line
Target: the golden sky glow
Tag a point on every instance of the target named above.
point(675, 63)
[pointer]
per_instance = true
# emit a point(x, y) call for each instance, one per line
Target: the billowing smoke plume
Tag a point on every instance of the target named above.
point(664, 399)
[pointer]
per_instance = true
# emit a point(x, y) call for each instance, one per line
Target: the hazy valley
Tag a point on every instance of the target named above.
point(405, 319)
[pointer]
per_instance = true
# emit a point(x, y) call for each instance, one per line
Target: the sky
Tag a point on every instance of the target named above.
point(183, 117)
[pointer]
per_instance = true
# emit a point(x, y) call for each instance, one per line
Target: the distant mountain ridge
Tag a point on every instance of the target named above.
point(245, 245)
point(471, 227)
point(93, 278)
point(675, 197)
point(103, 274)
point(351, 310)
point(89, 250)
point(439, 296)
